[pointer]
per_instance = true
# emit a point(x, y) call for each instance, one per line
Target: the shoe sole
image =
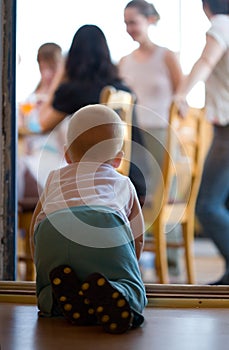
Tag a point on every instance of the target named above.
point(74, 306)
point(112, 309)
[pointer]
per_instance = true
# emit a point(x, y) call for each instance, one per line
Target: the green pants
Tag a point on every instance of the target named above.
point(89, 240)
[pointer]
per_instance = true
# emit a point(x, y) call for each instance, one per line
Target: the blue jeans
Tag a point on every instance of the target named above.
point(211, 208)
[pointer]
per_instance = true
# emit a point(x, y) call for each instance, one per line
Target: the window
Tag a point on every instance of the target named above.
point(41, 21)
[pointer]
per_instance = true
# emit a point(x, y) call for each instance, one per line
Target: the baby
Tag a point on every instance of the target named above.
point(87, 230)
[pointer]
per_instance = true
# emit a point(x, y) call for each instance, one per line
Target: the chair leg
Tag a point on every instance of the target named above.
point(161, 252)
point(24, 223)
point(188, 236)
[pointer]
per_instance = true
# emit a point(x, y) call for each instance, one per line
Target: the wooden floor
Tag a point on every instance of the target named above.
point(168, 326)
point(209, 265)
point(164, 329)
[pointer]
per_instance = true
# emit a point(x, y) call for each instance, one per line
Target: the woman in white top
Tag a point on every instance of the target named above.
point(213, 68)
point(153, 72)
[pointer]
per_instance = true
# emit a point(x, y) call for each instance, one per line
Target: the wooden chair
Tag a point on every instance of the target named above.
point(182, 169)
point(26, 207)
point(122, 102)
point(24, 254)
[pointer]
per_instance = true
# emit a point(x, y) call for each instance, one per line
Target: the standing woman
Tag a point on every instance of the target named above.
point(213, 68)
point(153, 72)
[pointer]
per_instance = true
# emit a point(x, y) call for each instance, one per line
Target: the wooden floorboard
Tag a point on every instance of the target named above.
point(164, 329)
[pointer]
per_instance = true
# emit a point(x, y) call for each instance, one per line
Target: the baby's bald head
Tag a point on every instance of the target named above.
point(95, 133)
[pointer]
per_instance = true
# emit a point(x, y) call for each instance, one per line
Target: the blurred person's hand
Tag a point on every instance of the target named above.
point(58, 77)
point(181, 104)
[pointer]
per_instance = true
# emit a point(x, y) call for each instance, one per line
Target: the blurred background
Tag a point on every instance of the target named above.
point(181, 28)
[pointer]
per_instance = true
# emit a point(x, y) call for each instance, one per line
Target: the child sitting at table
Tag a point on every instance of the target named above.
point(87, 230)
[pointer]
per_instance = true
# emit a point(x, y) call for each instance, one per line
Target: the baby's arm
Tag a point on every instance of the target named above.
point(137, 226)
point(36, 212)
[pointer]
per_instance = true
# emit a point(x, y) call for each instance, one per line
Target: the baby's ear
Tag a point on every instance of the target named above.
point(117, 160)
point(66, 154)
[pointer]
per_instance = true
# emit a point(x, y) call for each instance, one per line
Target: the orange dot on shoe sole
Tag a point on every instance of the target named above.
point(113, 326)
point(121, 303)
point(105, 318)
point(67, 307)
point(101, 282)
point(99, 309)
point(115, 295)
point(63, 298)
point(56, 281)
point(91, 311)
point(67, 270)
point(85, 286)
point(125, 314)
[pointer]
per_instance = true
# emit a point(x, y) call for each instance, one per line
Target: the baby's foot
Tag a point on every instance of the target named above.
point(76, 308)
point(112, 309)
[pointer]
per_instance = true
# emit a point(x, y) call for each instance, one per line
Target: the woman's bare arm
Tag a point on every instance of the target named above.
point(174, 67)
point(203, 67)
point(49, 117)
